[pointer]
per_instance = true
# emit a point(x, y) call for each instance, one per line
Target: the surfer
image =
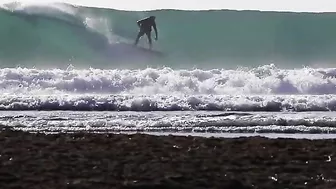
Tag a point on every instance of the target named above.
point(145, 26)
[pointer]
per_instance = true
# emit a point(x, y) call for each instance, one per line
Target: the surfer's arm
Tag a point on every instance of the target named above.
point(139, 22)
point(155, 29)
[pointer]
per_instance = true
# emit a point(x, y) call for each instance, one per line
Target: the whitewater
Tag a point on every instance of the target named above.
point(66, 68)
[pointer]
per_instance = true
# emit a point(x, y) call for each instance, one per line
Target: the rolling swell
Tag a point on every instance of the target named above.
point(33, 36)
point(55, 36)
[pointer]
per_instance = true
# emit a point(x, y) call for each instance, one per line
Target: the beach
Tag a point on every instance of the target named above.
point(88, 160)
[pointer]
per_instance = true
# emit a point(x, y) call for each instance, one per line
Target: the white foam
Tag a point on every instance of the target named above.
point(264, 80)
point(170, 122)
point(286, 5)
point(265, 88)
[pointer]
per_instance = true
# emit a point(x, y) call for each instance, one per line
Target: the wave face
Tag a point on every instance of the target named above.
point(60, 34)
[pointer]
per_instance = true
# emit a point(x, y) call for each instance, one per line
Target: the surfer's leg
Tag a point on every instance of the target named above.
point(149, 39)
point(140, 34)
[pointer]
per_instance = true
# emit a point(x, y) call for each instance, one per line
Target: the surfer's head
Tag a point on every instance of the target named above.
point(152, 17)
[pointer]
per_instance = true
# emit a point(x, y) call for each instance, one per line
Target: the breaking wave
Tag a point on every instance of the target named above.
point(265, 88)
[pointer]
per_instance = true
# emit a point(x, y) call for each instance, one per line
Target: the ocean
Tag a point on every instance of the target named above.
point(66, 68)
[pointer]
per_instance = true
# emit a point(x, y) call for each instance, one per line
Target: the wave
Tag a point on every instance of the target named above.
point(265, 88)
point(56, 35)
point(263, 80)
point(270, 103)
point(169, 122)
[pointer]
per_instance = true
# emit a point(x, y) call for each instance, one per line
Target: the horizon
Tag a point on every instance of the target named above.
point(283, 6)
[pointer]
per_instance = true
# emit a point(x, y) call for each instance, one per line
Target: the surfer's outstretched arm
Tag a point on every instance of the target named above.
point(156, 32)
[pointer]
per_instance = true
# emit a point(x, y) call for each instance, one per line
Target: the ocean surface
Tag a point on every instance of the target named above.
point(66, 68)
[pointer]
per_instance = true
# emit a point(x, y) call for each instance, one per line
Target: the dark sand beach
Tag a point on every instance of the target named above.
point(85, 160)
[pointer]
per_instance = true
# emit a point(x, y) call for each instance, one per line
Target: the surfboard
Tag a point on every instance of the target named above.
point(151, 51)
point(127, 50)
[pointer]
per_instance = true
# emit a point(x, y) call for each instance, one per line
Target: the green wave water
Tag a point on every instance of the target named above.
point(58, 35)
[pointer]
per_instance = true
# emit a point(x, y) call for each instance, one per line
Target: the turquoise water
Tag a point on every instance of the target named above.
point(221, 71)
point(58, 35)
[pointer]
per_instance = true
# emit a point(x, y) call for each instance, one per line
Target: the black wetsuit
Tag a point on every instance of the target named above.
point(145, 26)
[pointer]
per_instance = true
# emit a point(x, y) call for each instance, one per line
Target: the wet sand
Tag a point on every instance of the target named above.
point(85, 160)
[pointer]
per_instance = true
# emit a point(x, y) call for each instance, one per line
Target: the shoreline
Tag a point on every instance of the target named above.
point(86, 160)
point(224, 135)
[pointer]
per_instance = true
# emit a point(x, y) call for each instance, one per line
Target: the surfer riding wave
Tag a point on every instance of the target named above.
point(145, 26)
